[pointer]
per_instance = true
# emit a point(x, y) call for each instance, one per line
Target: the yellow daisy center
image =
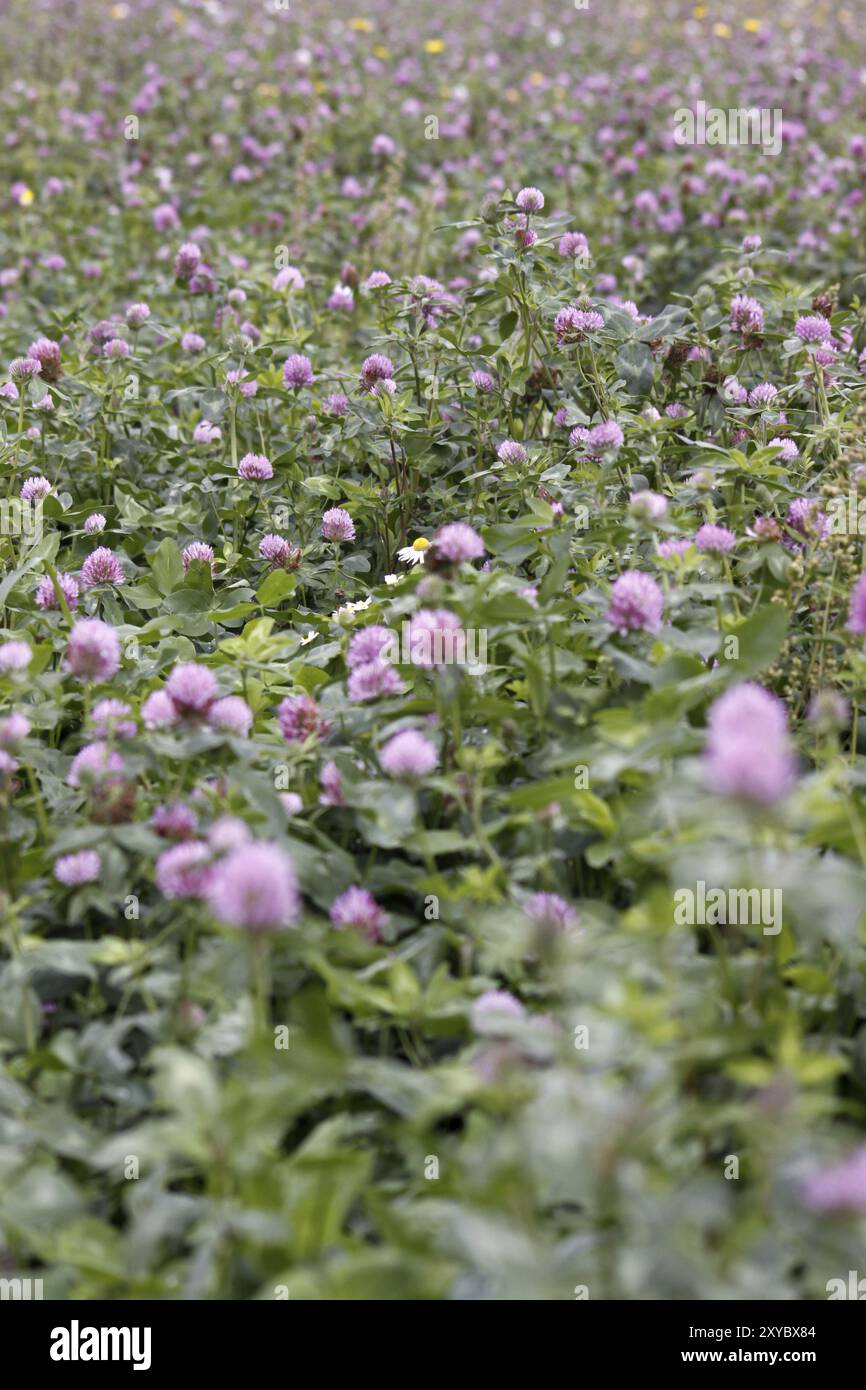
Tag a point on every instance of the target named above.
point(420, 544)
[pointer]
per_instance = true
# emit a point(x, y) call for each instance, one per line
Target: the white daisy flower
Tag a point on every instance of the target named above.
point(414, 554)
point(347, 611)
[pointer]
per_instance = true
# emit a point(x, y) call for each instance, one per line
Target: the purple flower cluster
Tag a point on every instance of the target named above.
point(191, 695)
point(337, 525)
point(636, 603)
point(748, 753)
point(357, 908)
point(299, 718)
point(573, 325)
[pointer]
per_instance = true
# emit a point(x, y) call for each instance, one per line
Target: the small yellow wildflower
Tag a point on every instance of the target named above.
point(434, 46)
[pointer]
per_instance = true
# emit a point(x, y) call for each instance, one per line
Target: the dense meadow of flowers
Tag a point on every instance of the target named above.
point(433, 856)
